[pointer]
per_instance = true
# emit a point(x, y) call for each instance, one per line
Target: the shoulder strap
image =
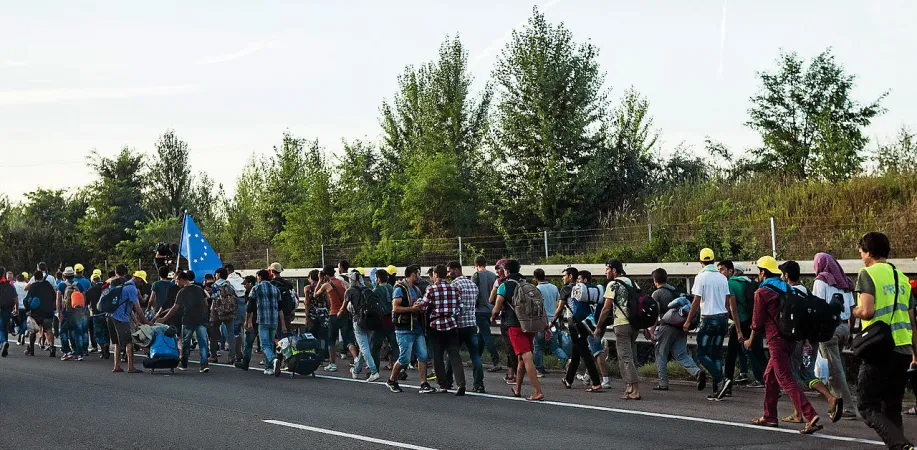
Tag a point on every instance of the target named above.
point(895, 304)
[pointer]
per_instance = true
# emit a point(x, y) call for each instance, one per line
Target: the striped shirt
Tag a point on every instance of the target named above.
point(468, 291)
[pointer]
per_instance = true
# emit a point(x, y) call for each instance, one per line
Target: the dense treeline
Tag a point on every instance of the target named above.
point(543, 146)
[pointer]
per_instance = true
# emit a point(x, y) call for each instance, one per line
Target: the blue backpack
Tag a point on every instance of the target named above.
point(34, 303)
point(163, 346)
point(585, 297)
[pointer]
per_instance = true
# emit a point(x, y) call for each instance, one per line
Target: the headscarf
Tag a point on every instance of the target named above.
point(827, 269)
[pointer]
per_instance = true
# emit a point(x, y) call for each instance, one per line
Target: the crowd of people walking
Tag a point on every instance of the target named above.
point(392, 322)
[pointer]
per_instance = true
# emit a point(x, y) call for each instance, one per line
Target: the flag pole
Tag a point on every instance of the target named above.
point(181, 240)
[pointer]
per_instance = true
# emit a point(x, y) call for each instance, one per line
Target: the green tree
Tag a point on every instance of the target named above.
point(551, 104)
point(145, 236)
point(114, 200)
point(170, 187)
point(310, 223)
point(284, 182)
point(900, 156)
point(42, 229)
point(809, 123)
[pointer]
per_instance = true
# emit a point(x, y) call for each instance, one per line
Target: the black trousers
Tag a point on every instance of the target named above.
point(444, 341)
point(578, 335)
point(735, 350)
point(880, 387)
point(375, 343)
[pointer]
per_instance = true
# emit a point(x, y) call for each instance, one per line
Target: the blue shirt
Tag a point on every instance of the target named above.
point(129, 295)
point(550, 294)
point(84, 284)
point(413, 295)
point(266, 295)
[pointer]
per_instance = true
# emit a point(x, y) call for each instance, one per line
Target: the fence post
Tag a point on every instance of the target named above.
point(546, 244)
point(774, 237)
point(323, 256)
point(267, 255)
point(649, 227)
point(460, 250)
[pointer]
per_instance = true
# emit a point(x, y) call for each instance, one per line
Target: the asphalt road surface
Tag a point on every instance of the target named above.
point(47, 403)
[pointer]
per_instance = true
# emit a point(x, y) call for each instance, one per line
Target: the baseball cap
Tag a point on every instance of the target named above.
point(500, 263)
point(275, 267)
point(738, 267)
point(69, 272)
point(140, 274)
point(770, 264)
point(706, 255)
point(616, 264)
point(78, 267)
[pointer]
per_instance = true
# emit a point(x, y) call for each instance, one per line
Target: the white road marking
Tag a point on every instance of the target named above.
point(348, 435)
point(615, 410)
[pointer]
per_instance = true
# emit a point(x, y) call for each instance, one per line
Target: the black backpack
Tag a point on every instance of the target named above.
point(111, 299)
point(804, 316)
point(7, 297)
point(369, 312)
point(642, 309)
point(287, 302)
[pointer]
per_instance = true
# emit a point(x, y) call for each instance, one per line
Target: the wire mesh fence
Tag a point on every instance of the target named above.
point(740, 239)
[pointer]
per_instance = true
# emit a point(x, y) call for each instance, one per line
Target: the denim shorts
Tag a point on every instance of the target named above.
point(344, 327)
point(408, 341)
point(595, 346)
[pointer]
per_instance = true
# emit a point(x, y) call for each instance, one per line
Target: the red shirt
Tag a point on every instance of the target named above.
point(764, 318)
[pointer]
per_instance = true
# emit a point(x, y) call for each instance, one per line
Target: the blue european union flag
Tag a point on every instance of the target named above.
point(202, 259)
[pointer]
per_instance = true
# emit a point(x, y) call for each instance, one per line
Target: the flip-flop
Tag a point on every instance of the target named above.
point(791, 419)
point(811, 427)
point(117, 370)
point(535, 399)
point(593, 389)
point(837, 410)
point(764, 423)
point(516, 394)
point(627, 397)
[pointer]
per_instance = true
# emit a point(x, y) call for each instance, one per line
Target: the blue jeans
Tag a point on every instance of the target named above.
point(100, 327)
point(249, 343)
point(362, 338)
point(5, 317)
point(710, 335)
point(186, 334)
point(240, 318)
point(553, 346)
point(485, 339)
point(409, 341)
point(266, 335)
point(72, 329)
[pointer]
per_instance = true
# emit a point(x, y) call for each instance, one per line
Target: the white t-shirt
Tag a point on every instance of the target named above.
point(713, 288)
point(825, 292)
point(20, 292)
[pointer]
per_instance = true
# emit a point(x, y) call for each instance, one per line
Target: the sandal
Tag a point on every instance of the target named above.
point(764, 423)
point(594, 389)
point(516, 393)
point(791, 419)
point(660, 388)
point(628, 397)
point(540, 398)
point(119, 370)
point(836, 410)
point(812, 426)
point(912, 411)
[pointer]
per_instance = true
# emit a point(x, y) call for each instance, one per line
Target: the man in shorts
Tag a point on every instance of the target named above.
point(522, 342)
point(119, 323)
point(43, 312)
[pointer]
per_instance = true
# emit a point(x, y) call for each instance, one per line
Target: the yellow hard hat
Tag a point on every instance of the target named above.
point(140, 274)
point(391, 270)
point(78, 267)
point(770, 264)
point(25, 274)
point(97, 272)
point(706, 255)
point(362, 271)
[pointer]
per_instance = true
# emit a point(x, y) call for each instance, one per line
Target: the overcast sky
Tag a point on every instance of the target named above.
point(231, 77)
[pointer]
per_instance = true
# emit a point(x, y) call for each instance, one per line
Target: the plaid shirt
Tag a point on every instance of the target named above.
point(443, 301)
point(469, 295)
point(267, 295)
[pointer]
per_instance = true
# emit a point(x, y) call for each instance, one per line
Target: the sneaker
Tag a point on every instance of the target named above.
point(393, 386)
point(742, 379)
point(478, 390)
point(701, 380)
point(212, 359)
point(426, 389)
point(79, 358)
point(412, 367)
point(373, 377)
point(713, 398)
point(460, 392)
point(727, 387)
point(204, 369)
point(268, 371)
point(183, 367)
point(540, 374)
point(849, 415)
point(241, 365)
point(755, 385)
point(606, 384)
point(402, 375)
point(93, 350)
point(431, 375)
point(5, 349)
point(330, 368)
point(354, 374)
point(66, 357)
